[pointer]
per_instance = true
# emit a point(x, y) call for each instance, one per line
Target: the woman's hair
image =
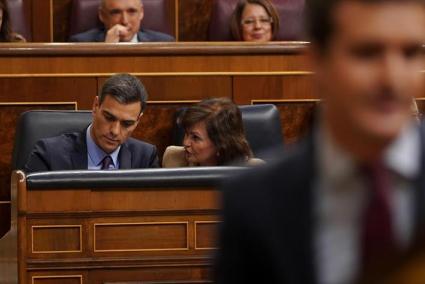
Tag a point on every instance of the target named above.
point(235, 22)
point(223, 122)
point(6, 33)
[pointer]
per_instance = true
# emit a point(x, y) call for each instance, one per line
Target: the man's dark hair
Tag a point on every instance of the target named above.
point(126, 89)
point(320, 18)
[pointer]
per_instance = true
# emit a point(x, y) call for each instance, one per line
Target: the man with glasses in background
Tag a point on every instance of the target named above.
point(121, 20)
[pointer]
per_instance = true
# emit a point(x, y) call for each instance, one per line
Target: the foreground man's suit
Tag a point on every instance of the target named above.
point(267, 235)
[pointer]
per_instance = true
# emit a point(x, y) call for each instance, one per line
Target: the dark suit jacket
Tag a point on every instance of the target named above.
point(69, 152)
point(268, 219)
point(99, 34)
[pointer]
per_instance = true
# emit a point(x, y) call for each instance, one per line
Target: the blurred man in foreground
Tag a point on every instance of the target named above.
point(121, 19)
point(348, 204)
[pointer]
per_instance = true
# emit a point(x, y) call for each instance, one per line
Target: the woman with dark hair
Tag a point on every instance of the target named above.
point(254, 20)
point(214, 136)
point(6, 33)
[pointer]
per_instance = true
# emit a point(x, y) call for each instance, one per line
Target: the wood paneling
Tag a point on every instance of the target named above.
point(61, 18)
point(62, 277)
point(58, 279)
point(49, 89)
point(247, 88)
point(181, 88)
point(147, 200)
point(129, 237)
point(151, 64)
point(55, 239)
point(124, 234)
point(42, 21)
point(40, 201)
point(153, 274)
point(156, 125)
point(206, 232)
point(194, 18)
point(296, 116)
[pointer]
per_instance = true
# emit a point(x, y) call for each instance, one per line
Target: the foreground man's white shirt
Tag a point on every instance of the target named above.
point(340, 197)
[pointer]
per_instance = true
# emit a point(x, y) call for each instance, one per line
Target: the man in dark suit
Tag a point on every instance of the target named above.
point(346, 205)
point(106, 142)
point(121, 19)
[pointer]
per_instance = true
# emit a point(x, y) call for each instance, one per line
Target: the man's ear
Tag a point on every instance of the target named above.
point(95, 106)
point(142, 13)
point(140, 116)
point(101, 15)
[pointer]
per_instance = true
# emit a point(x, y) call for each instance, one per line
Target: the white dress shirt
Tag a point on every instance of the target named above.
point(341, 197)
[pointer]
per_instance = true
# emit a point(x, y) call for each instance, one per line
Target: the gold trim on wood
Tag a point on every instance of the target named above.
point(271, 101)
point(38, 103)
point(51, 20)
point(21, 175)
point(158, 74)
point(173, 102)
point(57, 277)
point(196, 242)
point(140, 223)
point(176, 19)
point(57, 226)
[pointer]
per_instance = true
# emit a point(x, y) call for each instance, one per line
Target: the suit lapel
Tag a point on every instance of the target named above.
point(142, 36)
point(124, 157)
point(295, 207)
point(419, 214)
point(101, 36)
point(79, 156)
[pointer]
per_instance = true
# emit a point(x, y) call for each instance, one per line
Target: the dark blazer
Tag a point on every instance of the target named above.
point(69, 152)
point(99, 34)
point(268, 219)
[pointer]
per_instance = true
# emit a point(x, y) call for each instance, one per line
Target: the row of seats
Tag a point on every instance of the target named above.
point(261, 123)
point(84, 17)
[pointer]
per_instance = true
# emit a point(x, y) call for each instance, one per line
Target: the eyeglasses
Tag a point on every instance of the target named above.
point(131, 12)
point(251, 22)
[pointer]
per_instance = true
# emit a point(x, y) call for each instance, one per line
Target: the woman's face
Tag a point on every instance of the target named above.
point(256, 24)
point(199, 148)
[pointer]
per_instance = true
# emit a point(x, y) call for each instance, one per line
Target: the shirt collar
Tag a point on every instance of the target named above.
point(96, 154)
point(403, 156)
point(335, 165)
point(135, 38)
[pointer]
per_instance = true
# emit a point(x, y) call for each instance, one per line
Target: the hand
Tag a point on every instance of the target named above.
point(116, 33)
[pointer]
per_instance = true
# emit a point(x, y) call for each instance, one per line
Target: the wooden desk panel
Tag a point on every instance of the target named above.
point(49, 89)
point(123, 234)
point(101, 58)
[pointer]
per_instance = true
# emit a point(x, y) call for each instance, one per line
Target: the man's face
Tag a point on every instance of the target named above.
point(113, 122)
point(127, 13)
point(372, 67)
